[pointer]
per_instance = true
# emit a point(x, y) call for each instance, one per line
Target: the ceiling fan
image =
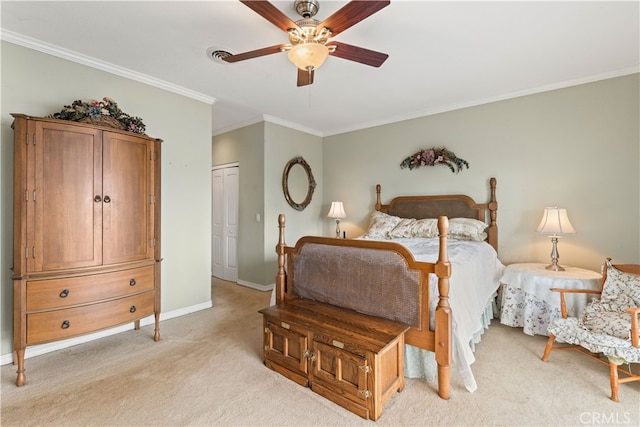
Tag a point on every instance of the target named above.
point(309, 43)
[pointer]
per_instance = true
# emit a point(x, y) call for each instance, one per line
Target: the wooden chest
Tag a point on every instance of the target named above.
point(352, 359)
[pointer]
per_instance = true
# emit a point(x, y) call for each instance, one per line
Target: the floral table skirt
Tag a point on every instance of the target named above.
point(524, 310)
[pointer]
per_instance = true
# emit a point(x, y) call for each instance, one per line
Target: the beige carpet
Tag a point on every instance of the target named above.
point(207, 370)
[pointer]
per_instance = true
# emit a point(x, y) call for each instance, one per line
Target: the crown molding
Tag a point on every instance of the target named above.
point(291, 125)
point(50, 49)
point(237, 125)
point(478, 102)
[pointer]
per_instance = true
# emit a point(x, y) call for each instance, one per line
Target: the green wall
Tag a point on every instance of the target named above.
point(38, 84)
point(263, 150)
point(578, 148)
point(246, 146)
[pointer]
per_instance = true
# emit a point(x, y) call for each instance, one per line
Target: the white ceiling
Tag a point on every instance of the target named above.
point(442, 55)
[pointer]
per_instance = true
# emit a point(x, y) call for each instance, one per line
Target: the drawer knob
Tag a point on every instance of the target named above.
point(132, 309)
point(107, 199)
point(97, 198)
point(132, 282)
point(64, 293)
point(65, 324)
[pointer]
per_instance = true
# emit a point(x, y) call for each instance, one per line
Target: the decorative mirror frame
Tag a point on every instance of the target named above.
point(285, 183)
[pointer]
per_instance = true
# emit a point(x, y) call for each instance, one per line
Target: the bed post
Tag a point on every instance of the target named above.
point(492, 231)
point(443, 325)
point(280, 276)
point(378, 201)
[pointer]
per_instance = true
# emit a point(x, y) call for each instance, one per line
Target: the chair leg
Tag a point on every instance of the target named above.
point(548, 348)
point(613, 374)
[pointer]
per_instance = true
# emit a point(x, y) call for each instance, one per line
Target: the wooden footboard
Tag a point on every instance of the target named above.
point(375, 278)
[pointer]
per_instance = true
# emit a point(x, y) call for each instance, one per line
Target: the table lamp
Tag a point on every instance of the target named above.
point(555, 223)
point(337, 212)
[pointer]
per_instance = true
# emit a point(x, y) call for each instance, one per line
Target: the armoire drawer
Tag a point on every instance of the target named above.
point(57, 293)
point(65, 323)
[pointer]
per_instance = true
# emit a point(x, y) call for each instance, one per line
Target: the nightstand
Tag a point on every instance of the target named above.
point(526, 299)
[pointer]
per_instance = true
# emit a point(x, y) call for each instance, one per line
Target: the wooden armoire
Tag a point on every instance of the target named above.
point(86, 253)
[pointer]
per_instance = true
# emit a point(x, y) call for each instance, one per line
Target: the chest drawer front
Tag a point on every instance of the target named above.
point(57, 293)
point(286, 346)
point(66, 323)
point(341, 370)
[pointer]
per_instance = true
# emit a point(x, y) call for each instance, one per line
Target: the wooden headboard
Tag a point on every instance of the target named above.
point(453, 206)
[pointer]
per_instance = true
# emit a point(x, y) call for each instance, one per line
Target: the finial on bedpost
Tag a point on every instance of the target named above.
point(378, 201)
point(280, 276)
point(443, 329)
point(492, 231)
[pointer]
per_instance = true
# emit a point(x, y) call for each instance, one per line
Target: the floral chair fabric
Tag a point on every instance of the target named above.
point(608, 314)
point(605, 325)
point(617, 350)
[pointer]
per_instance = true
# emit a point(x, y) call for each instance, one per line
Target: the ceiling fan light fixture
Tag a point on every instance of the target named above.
point(308, 56)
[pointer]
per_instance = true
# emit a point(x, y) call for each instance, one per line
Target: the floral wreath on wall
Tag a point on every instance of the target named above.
point(104, 113)
point(435, 156)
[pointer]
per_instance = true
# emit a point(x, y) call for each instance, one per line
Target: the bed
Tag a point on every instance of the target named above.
point(465, 294)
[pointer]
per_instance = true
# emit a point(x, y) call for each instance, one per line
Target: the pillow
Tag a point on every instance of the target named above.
point(427, 228)
point(467, 229)
point(409, 227)
point(403, 229)
point(621, 287)
point(380, 225)
point(608, 314)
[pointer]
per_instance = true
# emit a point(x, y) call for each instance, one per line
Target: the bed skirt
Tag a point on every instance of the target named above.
point(419, 363)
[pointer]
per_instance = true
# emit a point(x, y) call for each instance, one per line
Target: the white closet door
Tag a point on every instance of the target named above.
point(230, 230)
point(225, 223)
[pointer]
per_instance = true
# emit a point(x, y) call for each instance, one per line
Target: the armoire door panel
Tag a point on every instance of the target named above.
point(126, 198)
point(67, 220)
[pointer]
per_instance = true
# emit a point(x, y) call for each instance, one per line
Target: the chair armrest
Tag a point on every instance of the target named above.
point(634, 325)
point(563, 302)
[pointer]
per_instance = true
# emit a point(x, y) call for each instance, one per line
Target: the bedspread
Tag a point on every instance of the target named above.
point(475, 279)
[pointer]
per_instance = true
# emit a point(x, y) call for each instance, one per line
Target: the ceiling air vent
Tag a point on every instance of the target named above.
point(217, 54)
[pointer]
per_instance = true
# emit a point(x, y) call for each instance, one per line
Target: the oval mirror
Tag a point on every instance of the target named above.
point(298, 183)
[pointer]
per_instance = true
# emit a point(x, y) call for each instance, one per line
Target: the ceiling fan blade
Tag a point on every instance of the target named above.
point(350, 14)
point(271, 13)
point(255, 53)
point(358, 54)
point(305, 77)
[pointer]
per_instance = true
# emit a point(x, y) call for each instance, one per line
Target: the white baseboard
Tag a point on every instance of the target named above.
point(263, 288)
point(37, 350)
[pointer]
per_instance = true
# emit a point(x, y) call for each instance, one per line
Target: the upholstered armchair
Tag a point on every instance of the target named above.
point(608, 325)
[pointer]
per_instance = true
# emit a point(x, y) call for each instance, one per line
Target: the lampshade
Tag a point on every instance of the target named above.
point(555, 221)
point(336, 211)
point(308, 56)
